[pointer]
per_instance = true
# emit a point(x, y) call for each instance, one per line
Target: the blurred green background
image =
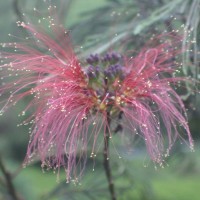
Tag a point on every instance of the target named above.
point(95, 26)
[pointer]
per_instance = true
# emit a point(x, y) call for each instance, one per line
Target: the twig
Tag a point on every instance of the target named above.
point(106, 161)
point(17, 10)
point(9, 182)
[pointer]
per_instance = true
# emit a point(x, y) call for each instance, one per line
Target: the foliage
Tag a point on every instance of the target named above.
point(132, 22)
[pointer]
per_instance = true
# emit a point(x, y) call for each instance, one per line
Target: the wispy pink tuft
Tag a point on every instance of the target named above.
point(72, 102)
point(151, 99)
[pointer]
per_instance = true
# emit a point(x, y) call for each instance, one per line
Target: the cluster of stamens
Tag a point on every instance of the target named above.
point(105, 75)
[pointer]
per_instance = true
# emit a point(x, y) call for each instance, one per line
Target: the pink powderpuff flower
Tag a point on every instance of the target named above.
point(74, 102)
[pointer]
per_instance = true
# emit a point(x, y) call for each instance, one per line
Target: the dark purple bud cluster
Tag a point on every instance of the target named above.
point(111, 58)
point(107, 67)
point(93, 72)
point(93, 59)
point(113, 71)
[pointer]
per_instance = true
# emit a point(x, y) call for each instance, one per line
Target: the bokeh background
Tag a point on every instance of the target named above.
point(95, 26)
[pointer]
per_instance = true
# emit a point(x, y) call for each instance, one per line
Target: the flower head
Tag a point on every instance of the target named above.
point(73, 100)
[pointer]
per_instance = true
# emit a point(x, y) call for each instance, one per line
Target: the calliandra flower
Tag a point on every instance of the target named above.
point(76, 101)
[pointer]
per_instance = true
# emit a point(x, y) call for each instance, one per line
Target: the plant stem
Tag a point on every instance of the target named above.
point(106, 161)
point(8, 178)
point(16, 8)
